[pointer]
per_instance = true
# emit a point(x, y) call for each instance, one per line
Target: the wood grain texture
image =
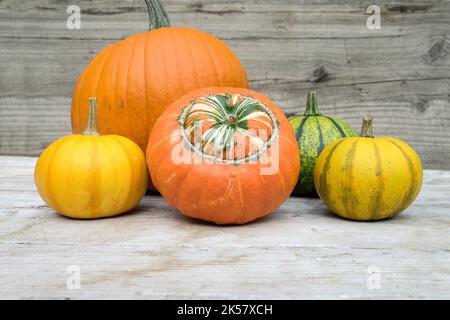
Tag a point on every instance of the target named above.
point(289, 47)
point(301, 251)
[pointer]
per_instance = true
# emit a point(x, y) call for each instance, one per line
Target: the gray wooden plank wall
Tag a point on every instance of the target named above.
point(400, 73)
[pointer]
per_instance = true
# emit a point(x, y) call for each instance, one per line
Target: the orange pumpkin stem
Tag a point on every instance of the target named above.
point(367, 130)
point(91, 127)
point(157, 15)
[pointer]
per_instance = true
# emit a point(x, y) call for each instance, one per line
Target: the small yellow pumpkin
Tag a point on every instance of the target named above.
point(91, 176)
point(366, 178)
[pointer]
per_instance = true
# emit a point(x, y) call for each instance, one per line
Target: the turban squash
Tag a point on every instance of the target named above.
point(366, 178)
point(224, 155)
point(89, 175)
point(137, 78)
point(314, 132)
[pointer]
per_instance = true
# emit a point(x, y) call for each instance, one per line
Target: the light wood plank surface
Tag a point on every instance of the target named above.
point(300, 252)
point(289, 47)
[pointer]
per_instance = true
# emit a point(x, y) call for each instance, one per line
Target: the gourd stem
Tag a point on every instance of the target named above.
point(311, 105)
point(91, 127)
point(367, 130)
point(157, 15)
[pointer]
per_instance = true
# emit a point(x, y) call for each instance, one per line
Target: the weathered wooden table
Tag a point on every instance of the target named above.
point(301, 251)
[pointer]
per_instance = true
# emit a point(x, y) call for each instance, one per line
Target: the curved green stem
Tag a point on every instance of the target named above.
point(157, 15)
point(91, 126)
point(367, 130)
point(311, 105)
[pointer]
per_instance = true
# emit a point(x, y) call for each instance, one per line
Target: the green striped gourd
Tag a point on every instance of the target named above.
point(314, 132)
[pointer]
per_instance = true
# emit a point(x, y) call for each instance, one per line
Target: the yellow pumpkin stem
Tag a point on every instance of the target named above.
point(367, 130)
point(91, 127)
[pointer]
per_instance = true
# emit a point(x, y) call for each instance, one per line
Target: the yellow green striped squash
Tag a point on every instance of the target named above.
point(314, 132)
point(366, 178)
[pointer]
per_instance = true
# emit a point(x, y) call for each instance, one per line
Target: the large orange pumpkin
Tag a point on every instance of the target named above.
point(136, 79)
point(225, 155)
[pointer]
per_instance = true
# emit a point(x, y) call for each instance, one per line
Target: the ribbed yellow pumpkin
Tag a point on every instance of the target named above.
point(366, 178)
point(90, 176)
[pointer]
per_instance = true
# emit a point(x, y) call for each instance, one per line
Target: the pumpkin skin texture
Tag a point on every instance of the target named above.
point(137, 78)
point(224, 189)
point(366, 178)
point(314, 132)
point(89, 176)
